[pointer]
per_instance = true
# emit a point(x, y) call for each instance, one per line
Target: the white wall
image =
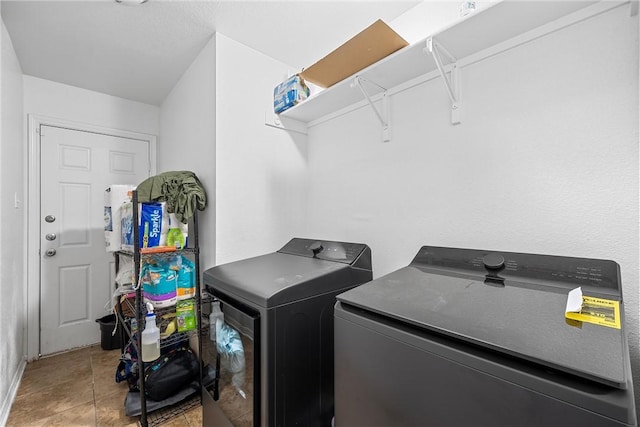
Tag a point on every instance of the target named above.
point(545, 160)
point(188, 137)
point(212, 123)
point(260, 171)
point(12, 230)
point(60, 101)
point(430, 17)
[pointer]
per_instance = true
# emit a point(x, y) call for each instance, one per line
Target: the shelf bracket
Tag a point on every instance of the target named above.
point(274, 120)
point(383, 116)
point(451, 84)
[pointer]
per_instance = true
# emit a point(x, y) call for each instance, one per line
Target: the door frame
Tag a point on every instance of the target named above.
point(33, 288)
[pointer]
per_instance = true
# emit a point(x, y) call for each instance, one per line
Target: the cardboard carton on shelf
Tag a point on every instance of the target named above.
point(367, 47)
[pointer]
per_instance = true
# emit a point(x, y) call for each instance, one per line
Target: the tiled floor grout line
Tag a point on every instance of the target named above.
point(93, 390)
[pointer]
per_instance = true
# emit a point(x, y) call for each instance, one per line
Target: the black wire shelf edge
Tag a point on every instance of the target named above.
point(168, 253)
point(177, 338)
point(163, 411)
point(159, 312)
point(161, 416)
point(173, 339)
point(160, 255)
point(188, 249)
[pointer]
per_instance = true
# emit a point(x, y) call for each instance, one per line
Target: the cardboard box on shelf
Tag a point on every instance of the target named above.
point(367, 47)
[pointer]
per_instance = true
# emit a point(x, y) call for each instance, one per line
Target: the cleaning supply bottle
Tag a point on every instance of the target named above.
point(216, 313)
point(150, 337)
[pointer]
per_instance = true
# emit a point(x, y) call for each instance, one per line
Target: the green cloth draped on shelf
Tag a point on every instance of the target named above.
point(181, 190)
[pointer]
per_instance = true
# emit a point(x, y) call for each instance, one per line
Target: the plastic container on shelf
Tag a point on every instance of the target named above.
point(216, 313)
point(186, 281)
point(159, 284)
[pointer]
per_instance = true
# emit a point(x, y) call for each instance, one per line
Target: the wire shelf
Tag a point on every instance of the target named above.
point(163, 415)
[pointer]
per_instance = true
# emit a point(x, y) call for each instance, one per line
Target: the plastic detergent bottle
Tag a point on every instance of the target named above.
point(150, 337)
point(216, 313)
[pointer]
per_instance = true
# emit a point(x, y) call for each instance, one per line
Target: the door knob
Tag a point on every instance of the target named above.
point(50, 236)
point(49, 218)
point(50, 252)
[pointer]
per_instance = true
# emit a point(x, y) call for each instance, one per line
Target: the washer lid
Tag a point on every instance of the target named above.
point(293, 273)
point(516, 306)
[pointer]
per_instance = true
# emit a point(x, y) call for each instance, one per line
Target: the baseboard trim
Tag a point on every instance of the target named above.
point(11, 395)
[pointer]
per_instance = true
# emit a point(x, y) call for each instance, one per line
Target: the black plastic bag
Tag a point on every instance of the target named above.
point(170, 373)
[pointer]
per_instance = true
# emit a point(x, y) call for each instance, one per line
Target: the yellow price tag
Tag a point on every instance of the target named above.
point(599, 311)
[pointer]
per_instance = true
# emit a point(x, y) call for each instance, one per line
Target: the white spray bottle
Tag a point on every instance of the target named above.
point(216, 313)
point(150, 337)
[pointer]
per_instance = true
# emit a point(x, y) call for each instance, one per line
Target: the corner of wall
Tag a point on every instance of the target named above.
point(9, 397)
point(12, 219)
point(260, 171)
point(188, 134)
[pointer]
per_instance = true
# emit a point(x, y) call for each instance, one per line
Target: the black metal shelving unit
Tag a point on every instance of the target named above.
point(138, 307)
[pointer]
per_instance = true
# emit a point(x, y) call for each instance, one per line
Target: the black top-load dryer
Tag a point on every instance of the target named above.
point(464, 337)
point(281, 304)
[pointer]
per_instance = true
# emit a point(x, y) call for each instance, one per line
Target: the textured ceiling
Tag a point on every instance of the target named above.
point(139, 52)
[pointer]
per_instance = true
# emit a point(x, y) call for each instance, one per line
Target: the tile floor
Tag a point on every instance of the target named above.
point(78, 389)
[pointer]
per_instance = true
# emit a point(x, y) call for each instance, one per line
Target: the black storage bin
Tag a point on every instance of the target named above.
point(109, 341)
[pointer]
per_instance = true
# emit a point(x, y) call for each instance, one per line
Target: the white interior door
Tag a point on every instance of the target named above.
point(76, 274)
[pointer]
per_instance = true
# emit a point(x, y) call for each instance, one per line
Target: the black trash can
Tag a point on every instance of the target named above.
point(109, 341)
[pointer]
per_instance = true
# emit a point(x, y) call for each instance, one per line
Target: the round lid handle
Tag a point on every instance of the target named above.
point(493, 261)
point(316, 248)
